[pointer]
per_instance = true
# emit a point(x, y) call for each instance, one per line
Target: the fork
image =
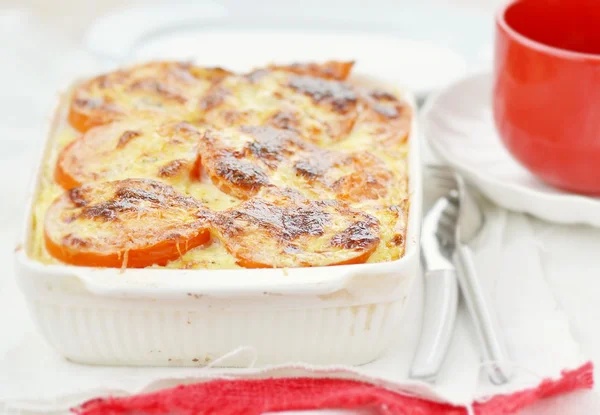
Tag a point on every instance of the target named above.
point(470, 220)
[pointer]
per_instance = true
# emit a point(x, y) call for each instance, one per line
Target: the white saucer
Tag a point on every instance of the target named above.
point(458, 125)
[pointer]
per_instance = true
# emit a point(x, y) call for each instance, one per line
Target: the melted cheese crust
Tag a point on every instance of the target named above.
point(362, 134)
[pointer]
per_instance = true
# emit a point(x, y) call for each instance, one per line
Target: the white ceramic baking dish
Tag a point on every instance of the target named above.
point(325, 315)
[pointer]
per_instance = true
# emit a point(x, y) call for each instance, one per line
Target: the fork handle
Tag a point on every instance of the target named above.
point(439, 313)
point(486, 324)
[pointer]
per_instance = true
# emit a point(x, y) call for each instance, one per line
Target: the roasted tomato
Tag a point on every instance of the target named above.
point(241, 161)
point(152, 88)
point(280, 228)
point(130, 223)
point(337, 70)
point(351, 177)
point(165, 150)
point(320, 110)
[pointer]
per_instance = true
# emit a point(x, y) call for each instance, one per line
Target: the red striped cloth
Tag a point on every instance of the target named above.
point(255, 397)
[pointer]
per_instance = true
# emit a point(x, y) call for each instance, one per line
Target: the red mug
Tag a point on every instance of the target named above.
point(546, 96)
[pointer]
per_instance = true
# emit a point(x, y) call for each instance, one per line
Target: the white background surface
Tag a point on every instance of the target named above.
point(28, 76)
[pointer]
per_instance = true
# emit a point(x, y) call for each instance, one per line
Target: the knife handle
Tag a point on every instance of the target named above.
point(439, 314)
point(486, 325)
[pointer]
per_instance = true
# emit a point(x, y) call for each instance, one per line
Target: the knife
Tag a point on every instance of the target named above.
point(441, 287)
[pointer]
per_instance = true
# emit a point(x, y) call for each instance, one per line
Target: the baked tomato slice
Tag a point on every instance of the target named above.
point(241, 161)
point(321, 110)
point(130, 223)
point(152, 88)
point(165, 150)
point(280, 228)
point(353, 177)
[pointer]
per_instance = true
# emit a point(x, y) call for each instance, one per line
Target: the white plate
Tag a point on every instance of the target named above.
point(458, 125)
point(412, 64)
point(414, 41)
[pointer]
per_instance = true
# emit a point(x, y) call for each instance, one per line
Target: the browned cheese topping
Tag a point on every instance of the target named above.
point(173, 164)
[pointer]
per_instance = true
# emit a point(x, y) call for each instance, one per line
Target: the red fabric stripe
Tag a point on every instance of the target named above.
point(581, 378)
point(254, 397)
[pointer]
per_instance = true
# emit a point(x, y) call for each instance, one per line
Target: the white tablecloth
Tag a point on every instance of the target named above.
point(569, 256)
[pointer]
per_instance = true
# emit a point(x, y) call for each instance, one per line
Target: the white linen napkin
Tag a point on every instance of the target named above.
point(34, 377)
point(516, 258)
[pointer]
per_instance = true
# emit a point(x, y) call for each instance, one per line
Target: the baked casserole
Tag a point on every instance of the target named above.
point(169, 164)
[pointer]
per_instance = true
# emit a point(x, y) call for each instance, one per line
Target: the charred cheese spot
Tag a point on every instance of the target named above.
point(359, 235)
point(384, 104)
point(137, 221)
point(271, 145)
point(292, 231)
point(340, 95)
point(158, 88)
point(97, 103)
point(126, 137)
point(75, 242)
point(174, 168)
point(213, 98)
point(285, 120)
point(135, 148)
point(314, 164)
point(77, 197)
point(398, 239)
point(240, 173)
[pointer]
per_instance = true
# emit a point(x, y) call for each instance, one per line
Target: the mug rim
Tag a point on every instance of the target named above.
point(537, 45)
